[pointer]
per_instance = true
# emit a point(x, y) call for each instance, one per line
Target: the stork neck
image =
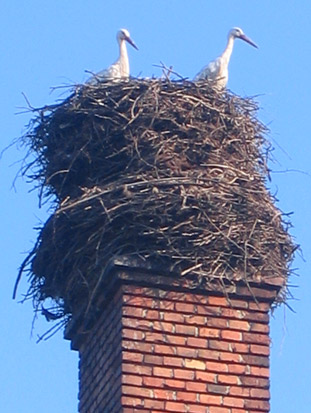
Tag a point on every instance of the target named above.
point(228, 50)
point(124, 61)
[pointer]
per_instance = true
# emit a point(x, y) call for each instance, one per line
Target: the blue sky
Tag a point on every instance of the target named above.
point(46, 44)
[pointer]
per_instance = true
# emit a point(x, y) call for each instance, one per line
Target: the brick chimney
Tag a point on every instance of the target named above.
point(158, 345)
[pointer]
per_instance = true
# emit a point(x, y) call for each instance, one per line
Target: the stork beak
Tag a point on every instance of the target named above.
point(130, 41)
point(248, 40)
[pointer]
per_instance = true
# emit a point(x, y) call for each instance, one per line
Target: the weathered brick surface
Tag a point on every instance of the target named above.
point(100, 362)
point(164, 351)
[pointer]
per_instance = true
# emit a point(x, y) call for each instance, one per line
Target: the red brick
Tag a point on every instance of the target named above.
point(165, 305)
point(233, 410)
point(259, 306)
point(239, 391)
point(195, 319)
point(177, 296)
point(176, 340)
point(199, 298)
point(256, 338)
point(260, 371)
point(174, 317)
point(140, 324)
point(231, 313)
point(135, 357)
point(257, 349)
point(231, 335)
point(206, 376)
point(209, 354)
point(154, 404)
point(175, 407)
point(184, 374)
point(233, 357)
point(186, 396)
point(197, 342)
point(239, 303)
point(252, 360)
point(185, 329)
point(163, 326)
point(132, 334)
point(245, 315)
point(136, 391)
point(196, 386)
point(218, 367)
point(218, 388)
point(153, 359)
point(176, 384)
point(221, 301)
point(210, 399)
point(152, 315)
point(196, 408)
point(187, 352)
point(217, 322)
point(155, 337)
point(208, 311)
point(153, 382)
point(209, 332)
point(260, 393)
point(228, 379)
point(257, 317)
point(254, 382)
point(236, 369)
point(139, 301)
point(185, 307)
point(173, 361)
point(162, 371)
point(136, 369)
point(219, 345)
point(214, 409)
point(260, 328)
point(131, 401)
point(164, 338)
point(240, 347)
point(163, 349)
point(233, 402)
point(239, 325)
point(195, 364)
point(257, 404)
point(131, 379)
point(132, 311)
point(164, 394)
point(137, 345)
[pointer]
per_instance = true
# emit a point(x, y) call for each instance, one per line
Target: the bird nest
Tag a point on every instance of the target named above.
point(170, 173)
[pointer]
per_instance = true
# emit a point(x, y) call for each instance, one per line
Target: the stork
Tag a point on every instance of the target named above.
point(217, 71)
point(120, 70)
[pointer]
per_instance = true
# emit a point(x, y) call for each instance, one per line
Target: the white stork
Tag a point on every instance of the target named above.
point(217, 71)
point(120, 70)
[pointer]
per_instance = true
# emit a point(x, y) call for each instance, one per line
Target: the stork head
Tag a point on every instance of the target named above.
point(124, 34)
point(238, 33)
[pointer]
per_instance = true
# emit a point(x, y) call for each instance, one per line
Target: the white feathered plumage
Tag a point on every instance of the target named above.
point(216, 71)
point(120, 70)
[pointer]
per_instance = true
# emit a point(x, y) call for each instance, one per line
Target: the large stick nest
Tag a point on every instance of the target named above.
point(172, 173)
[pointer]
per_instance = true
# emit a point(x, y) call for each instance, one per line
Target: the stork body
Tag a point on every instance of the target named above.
point(216, 71)
point(120, 70)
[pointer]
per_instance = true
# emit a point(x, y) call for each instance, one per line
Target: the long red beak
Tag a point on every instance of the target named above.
point(130, 41)
point(248, 40)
